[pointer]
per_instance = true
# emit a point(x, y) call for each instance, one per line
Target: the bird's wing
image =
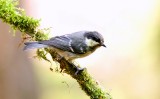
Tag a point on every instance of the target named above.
point(65, 43)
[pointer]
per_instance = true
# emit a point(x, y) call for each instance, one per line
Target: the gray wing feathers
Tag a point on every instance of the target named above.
point(67, 43)
point(60, 42)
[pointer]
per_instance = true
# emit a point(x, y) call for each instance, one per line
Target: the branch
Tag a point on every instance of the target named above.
point(17, 19)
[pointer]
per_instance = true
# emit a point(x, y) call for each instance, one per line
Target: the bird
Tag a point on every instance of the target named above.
point(71, 46)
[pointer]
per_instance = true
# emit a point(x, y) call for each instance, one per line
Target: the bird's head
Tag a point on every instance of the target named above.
point(94, 39)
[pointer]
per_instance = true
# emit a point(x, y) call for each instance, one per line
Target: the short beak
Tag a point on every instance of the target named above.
point(103, 45)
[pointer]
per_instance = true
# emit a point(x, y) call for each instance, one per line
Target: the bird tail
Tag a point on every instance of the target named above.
point(34, 45)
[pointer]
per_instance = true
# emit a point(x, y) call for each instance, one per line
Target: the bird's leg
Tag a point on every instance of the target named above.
point(78, 69)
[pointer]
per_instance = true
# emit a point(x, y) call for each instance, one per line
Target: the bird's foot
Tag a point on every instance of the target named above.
point(78, 69)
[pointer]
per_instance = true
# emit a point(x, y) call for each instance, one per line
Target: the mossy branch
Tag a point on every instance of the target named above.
point(11, 14)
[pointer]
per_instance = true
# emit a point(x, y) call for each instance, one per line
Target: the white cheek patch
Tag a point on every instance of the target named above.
point(91, 42)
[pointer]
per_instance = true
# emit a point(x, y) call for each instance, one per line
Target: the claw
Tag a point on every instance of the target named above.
point(78, 70)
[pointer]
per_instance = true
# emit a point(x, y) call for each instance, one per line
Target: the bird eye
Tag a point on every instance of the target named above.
point(96, 39)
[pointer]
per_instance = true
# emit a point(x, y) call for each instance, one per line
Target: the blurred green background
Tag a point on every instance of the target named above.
point(129, 68)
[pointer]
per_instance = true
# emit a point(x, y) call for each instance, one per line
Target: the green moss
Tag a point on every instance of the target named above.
point(41, 34)
point(41, 54)
point(16, 17)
